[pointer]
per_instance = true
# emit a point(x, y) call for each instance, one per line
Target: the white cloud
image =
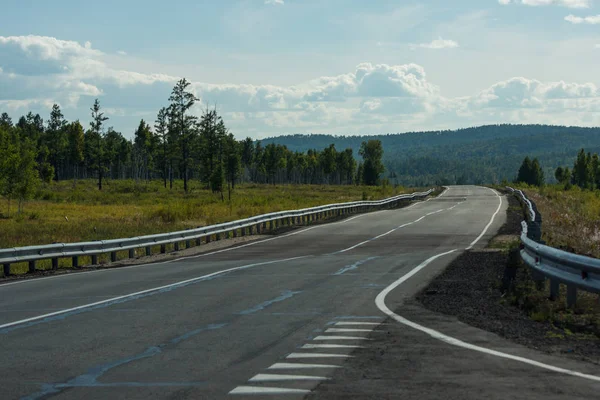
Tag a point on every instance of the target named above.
point(38, 71)
point(591, 20)
point(275, 2)
point(563, 3)
point(436, 44)
point(122, 53)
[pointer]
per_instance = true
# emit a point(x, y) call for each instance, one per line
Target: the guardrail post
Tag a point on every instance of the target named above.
point(208, 238)
point(163, 248)
point(148, 251)
point(55, 263)
point(571, 296)
point(235, 233)
point(113, 256)
point(6, 269)
point(74, 263)
point(32, 266)
point(188, 244)
point(554, 288)
point(176, 246)
point(198, 241)
point(218, 236)
point(94, 259)
point(131, 253)
point(243, 231)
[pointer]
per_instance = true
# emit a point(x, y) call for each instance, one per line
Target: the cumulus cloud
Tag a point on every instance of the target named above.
point(563, 3)
point(275, 2)
point(591, 20)
point(437, 44)
point(38, 71)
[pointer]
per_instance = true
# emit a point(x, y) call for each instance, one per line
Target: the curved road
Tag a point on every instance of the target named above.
point(272, 318)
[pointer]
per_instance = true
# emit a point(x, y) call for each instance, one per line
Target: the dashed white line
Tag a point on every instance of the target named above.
point(254, 390)
point(358, 323)
point(317, 355)
point(331, 346)
point(144, 292)
point(285, 377)
point(341, 330)
point(340, 338)
point(301, 366)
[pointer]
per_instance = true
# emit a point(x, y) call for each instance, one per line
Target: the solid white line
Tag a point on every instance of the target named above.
point(340, 338)
point(340, 330)
point(156, 289)
point(301, 366)
point(284, 377)
point(358, 323)
point(380, 302)
point(192, 257)
point(161, 262)
point(489, 223)
point(318, 355)
point(252, 390)
point(330, 346)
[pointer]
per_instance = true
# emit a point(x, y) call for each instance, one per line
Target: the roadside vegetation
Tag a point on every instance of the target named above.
point(61, 213)
point(570, 212)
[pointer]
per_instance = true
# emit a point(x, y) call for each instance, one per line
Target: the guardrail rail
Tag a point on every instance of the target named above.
point(560, 267)
point(192, 237)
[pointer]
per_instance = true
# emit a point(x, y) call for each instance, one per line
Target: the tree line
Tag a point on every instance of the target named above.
point(179, 146)
point(585, 172)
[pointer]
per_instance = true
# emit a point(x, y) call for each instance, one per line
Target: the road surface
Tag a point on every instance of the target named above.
point(272, 318)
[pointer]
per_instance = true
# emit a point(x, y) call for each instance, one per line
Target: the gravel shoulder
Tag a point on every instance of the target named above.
point(470, 290)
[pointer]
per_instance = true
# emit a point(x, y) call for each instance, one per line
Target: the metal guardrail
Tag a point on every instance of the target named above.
point(258, 224)
point(575, 271)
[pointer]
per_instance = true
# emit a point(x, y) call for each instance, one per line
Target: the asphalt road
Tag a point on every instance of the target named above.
point(273, 318)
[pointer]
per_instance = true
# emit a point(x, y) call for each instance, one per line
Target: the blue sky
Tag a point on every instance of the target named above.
point(302, 66)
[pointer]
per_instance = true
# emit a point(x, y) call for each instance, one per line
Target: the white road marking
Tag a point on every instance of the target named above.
point(162, 262)
point(196, 256)
point(284, 377)
point(340, 338)
point(340, 330)
point(143, 292)
point(301, 366)
point(380, 302)
point(358, 323)
point(318, 355)
point(330, 346)
point(489, 223)
point(253, 390)
point(434, 212)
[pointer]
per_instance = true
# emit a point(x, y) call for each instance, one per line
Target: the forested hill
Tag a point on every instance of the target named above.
point(486, 154)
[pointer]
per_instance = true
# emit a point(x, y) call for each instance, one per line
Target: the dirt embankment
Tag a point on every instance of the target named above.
point(471, 289)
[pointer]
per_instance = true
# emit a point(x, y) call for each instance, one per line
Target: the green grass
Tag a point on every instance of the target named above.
point(571, 221)
point(571, 218)
point(61, 213)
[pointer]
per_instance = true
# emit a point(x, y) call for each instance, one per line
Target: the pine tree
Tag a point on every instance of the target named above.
point(181, 101)
point(56, 141)
point(161, 127)
point(372, 154)
point(95, 139)
point(75, 147)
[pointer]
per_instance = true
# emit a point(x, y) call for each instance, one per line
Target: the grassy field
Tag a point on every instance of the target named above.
point(124, 209)
point(570, 218)
point(571, 221)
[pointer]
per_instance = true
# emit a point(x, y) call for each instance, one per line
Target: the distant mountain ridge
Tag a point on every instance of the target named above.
point(484, 154)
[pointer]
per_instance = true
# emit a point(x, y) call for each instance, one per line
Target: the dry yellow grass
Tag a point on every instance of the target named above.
point(125, 209)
